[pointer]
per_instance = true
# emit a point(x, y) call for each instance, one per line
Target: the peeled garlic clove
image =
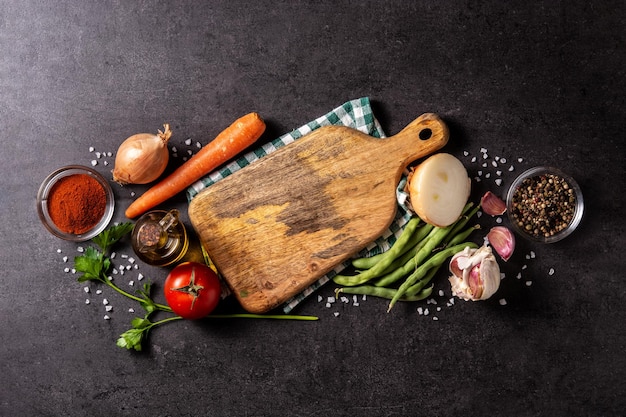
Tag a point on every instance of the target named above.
point(480, 274)
point(502, 240)
point(492, 204)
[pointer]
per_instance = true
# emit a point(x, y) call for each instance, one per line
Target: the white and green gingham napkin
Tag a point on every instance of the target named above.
point(356, 114)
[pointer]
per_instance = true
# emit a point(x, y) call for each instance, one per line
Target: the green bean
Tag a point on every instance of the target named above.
point(462, 221)
point(434, 238)
point(417, 287)
point(379, 268)
point(463, 235)
point(387, 293)
point(419, 234)
point(423, 269)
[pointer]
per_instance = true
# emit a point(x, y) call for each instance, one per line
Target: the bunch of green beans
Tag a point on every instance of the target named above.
point(404, 272)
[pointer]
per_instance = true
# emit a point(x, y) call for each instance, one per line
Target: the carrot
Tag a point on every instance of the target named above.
point(230, 142)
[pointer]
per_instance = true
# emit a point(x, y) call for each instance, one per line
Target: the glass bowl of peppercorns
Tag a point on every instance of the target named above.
point(544, 204)
point(75, 203)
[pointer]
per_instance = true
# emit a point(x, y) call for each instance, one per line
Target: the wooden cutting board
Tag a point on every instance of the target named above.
point(279, 224)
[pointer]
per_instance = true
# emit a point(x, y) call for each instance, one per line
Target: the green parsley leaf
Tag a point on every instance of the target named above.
point(91, 264)
point(110, 236)
point(131, 339)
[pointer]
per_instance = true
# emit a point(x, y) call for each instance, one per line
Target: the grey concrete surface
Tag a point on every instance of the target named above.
point(538, 80)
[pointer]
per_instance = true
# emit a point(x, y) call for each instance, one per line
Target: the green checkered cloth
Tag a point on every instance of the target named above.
point(356, 114)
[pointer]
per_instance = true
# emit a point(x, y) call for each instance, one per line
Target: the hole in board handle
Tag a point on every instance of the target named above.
point(425, 134)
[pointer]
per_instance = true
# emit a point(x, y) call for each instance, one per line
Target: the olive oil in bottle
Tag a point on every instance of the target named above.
point(159, 238)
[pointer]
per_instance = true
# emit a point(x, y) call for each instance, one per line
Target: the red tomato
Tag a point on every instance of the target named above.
point(192, 290)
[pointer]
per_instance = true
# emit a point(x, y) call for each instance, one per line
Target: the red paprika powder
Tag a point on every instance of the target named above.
point(76, 203)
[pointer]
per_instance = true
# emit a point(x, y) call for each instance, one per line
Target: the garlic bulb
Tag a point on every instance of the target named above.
point(475, 274)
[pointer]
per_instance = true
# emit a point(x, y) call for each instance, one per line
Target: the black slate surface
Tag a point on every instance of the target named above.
point(542, 81)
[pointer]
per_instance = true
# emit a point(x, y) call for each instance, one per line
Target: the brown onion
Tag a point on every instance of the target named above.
point(142, 158)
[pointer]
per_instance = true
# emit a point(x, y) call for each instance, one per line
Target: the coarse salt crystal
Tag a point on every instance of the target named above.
point(497, 158)
point(109, 154)
point(511, 168)
point(113, 255)
point(502, 302)
point(441, 293)
point(131, 283)
point(91, 149)
point(86, 289)
point(551, 271)
point(503, 160)
point(124, 256)
point(465, 153)
point(520, 159)
point(438, 308)
point(473, 159)
point(174, 149)
point(319, 297)
point(330, 300)
point(524, 266)
point(131, 310)
point(80, 249)
point(483, 150)
point(189, 152)
point(98, 155)
point(198, 145)
point(435, 318)
point(519, 275)
point(345, 299)
point(532, 254)
point(105, 301)
point(328, 305)
point(94, 162)
point(106, 317)
point(115, 271)
point(485, 156)
point(420, 310)
point(498, 173)
point(480, 172)
point(451, 300)
point(131, 260)
point(98, 292)
point(87, 301)
point(529, 283)
point(187, 142)
point(498, 220)
point(106, 163)
point(128, 267)
point(498, 181)
point(108, 308)
point(336, 314)
point(494, 164)
point(484, 165)
point(426, 312)
point(58, 250)
point(140, 277)
point(487, 175)
point(66, 270)
point(65, 259)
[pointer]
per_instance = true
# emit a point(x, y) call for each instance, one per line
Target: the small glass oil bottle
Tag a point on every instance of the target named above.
point(159, 238)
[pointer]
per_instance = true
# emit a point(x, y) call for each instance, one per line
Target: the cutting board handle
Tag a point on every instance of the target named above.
point(423, 136)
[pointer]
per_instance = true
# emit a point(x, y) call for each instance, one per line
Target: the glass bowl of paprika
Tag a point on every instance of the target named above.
point(544, 204)
point(75, 203)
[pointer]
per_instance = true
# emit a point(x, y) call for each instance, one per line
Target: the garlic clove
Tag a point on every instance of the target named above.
point(502, 240)
point(492, 204)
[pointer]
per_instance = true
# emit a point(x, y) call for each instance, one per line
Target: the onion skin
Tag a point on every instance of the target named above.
point(142, 157)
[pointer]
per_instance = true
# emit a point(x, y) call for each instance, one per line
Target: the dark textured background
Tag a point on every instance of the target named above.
point(543, 81)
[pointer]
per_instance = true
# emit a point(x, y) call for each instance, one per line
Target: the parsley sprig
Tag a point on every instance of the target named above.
point(95, 264)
